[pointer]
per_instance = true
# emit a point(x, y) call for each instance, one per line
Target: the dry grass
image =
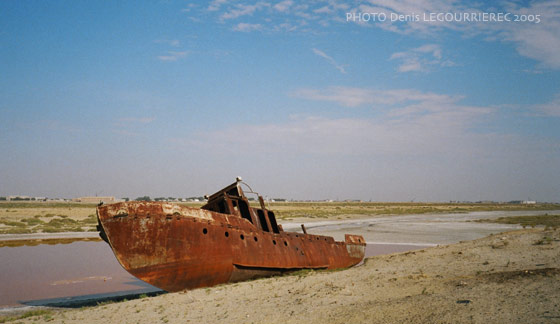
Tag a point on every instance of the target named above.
point(552, 221)
point(291, 210)
point(24, 217)
point(29, 217)
point(39, 314)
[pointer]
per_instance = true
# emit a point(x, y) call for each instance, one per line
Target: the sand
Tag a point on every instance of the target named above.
point(511, 277)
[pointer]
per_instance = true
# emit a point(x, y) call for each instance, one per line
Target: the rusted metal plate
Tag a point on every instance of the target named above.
point(176, 247)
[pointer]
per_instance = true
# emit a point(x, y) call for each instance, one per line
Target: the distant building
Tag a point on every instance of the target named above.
point(95, 200)
point(16, 198)
point(529, 202)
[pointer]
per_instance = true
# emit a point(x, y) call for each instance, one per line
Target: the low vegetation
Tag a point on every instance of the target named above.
point(58, 223)
point(289, 210)
point(551, 221)
point(40, 314)
point(29, 217)
point(47, 217)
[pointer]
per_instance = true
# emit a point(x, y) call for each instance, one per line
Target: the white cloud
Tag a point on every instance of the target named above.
point(411, 7)
point(173, 56)
point(285, 27)
point(416, 144)
point(330, 60)
point(189, 7)
point(539, 41)
point(421, 59)
point(424, 127)
point(283, 6)
point(301, 12)
point(431, 157)
point(433, 49)
point(414, 6)
point(551, 108)
point(216, 4)
point(323, 10)
point(171, 42)
point(409, 118)
point(411, 65)
point(246, 27)
point(243, 10)
point(354, 97)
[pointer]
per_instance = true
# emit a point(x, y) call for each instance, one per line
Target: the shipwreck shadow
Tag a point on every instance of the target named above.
point(97, 299)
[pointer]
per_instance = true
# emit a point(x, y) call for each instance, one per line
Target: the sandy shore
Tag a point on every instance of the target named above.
point(511, 277)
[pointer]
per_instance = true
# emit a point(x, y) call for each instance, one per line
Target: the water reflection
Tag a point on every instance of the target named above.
point(31, 275)
point(83, 273)
point(48, 241)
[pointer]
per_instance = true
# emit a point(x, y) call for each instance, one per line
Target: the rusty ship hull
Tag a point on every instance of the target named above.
point(176, 247)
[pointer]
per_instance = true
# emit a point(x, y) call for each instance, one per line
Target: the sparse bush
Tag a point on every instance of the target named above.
point(32, 221)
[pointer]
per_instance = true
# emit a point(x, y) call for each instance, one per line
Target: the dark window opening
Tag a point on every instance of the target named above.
point(222, 207)
point(262, 219)
point(244, 209)
point(273, 223)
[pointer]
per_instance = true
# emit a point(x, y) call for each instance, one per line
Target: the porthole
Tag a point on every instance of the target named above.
point(242, 237)
point(274, 242)
point(205, 231)
point(285, 243)
point(226, 234)
point(256, 239)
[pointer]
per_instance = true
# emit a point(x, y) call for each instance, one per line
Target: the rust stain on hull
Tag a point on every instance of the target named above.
point(175, 247)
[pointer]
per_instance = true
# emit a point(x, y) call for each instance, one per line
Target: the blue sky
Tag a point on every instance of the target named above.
point(177, 98)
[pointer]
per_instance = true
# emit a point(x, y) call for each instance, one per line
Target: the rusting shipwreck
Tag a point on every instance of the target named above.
point(175, 247)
